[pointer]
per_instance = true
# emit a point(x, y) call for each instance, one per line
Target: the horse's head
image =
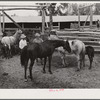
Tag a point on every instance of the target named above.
point(18, 33)
point(67, 46)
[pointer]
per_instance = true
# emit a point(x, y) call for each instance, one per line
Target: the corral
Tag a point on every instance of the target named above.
point(12, 74)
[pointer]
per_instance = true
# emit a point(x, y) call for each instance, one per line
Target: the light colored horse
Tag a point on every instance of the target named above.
point(11, 40)
point(77, 48)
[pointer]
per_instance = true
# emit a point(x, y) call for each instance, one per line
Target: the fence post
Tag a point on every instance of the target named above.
point(0, 28)
point(59, 25)
point(79, 18)
point(91, 16)
point(43, 20)
point(50, 18)
point(13, 21)
point(3, 22)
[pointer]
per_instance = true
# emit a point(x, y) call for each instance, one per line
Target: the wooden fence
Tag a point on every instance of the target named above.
point(89, 38)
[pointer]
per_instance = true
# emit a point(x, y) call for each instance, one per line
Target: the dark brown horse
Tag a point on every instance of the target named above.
point(5, 51)
point(42, 50)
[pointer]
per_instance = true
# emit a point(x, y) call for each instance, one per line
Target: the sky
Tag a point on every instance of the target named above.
point(27, 12)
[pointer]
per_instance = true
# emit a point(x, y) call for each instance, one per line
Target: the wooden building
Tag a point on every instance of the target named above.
point(31, 22)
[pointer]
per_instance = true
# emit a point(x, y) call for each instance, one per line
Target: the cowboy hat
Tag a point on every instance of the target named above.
point(37, 34)
point(23, 36)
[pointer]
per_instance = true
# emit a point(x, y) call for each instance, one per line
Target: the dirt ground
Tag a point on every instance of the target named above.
point(12, 74)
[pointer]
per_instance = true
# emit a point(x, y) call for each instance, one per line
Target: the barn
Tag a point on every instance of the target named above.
point(32, 22)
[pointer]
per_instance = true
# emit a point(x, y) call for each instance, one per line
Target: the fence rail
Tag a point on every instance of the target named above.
point(13, 29)
point(89, 38)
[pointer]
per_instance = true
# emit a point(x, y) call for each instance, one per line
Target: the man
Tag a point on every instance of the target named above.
point(22, 42)
point(53, 35)
point(38, 39)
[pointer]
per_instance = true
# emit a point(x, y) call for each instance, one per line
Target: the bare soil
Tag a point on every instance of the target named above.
point(12, 74)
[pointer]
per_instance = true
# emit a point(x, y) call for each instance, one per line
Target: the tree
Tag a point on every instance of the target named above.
point(86, 10)
point(47, 8)
point(83, 11)
point(97, 9)
point(62, 9)
point(74, 9)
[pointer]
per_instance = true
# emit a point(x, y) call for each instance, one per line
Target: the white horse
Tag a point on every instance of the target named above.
point(11, 40)
point(77, 48)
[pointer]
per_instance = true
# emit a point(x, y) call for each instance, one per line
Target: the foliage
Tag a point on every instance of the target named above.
point(97, 9)
point(63, 9)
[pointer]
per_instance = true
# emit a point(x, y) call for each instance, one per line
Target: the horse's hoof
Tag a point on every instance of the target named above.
point(30, 77)
point(62, 65)
point(5, 74)
point(89, 68)
point(50, 72)
point(44, 72)
point(77, 70)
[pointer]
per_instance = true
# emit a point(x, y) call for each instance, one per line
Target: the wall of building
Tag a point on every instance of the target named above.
point(63, 25)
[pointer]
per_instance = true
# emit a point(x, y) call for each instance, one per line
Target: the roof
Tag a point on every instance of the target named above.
point(38, 19)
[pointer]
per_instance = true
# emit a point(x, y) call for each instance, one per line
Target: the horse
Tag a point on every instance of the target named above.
point(42, 50)
point(11, 40)
point(90, 53)
point(77, 48)
point(4, 51)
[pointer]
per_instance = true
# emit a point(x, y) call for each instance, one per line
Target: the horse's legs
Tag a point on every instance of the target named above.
point(25, 69)
point(79, 62)
point(91, 60)
point(63, 59)
point(45, 60)
point(83, 59)
point(41, 61)
point(30, 68)
point(50, 57)
point(9, 51)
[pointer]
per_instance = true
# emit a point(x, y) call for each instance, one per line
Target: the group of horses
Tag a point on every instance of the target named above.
point(46, 49)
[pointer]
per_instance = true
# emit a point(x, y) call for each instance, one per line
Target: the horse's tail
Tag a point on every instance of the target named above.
point(92, 54)
point(24, 56)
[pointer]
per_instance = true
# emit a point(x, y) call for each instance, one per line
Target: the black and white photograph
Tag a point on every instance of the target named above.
point(49, 45)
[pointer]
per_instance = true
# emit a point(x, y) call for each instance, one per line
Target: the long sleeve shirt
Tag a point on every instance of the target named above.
point(22, 43)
